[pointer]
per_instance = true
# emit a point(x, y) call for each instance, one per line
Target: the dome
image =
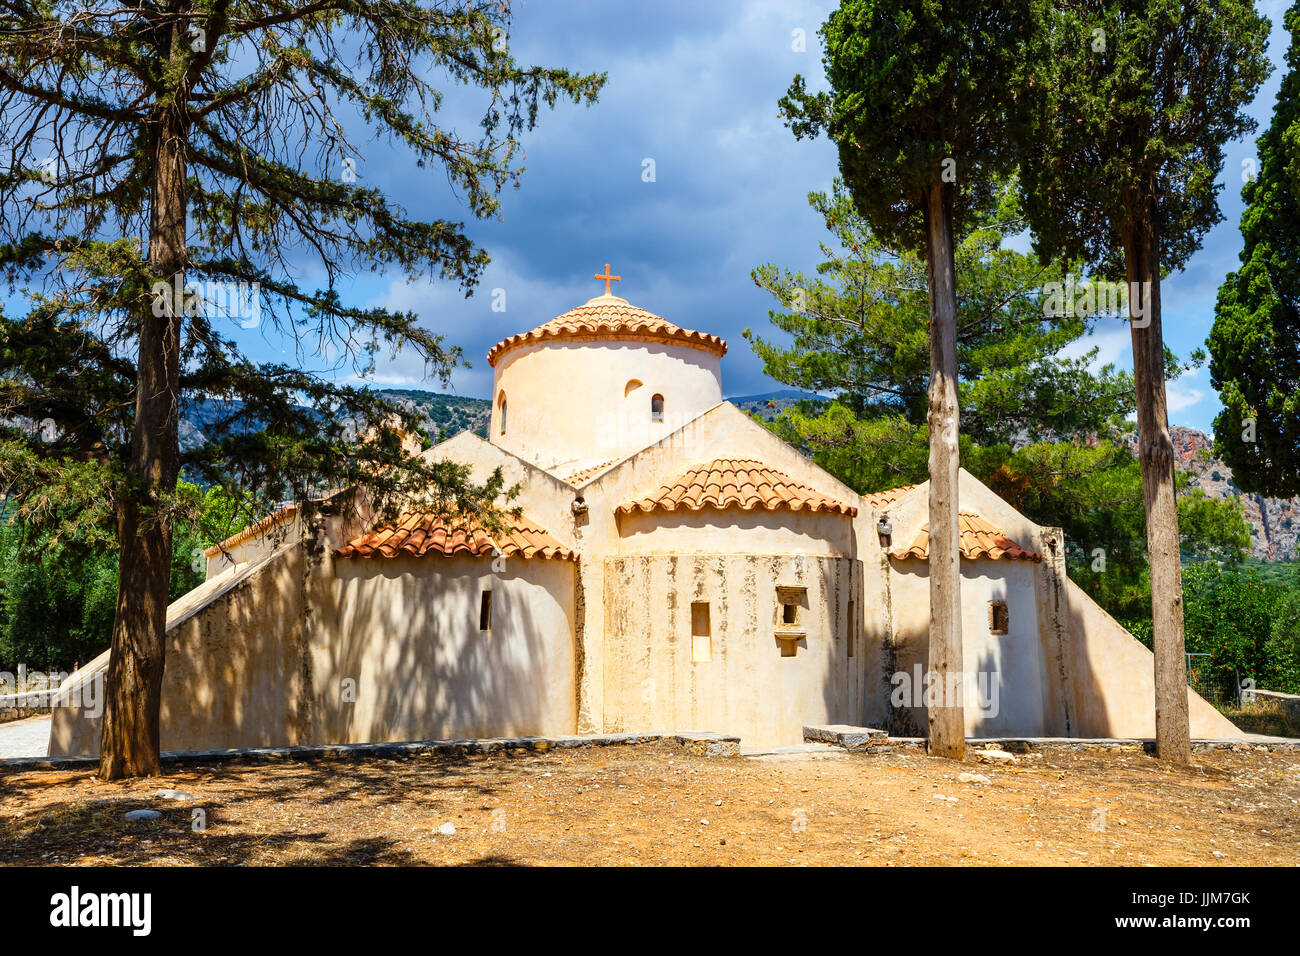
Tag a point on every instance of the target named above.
point(610, 317)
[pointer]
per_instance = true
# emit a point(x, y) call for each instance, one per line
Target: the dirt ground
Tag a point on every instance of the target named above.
point(655, 805)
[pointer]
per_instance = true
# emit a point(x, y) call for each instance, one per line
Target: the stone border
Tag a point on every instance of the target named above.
point(27, 704)
point(1026, 744)
point(702, 743)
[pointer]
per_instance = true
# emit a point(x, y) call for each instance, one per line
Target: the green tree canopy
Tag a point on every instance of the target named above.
point(156, 145)
point(919, 96)
point(1255, 342)
point(1132, 104)
point(922, 109)
point(856, 329)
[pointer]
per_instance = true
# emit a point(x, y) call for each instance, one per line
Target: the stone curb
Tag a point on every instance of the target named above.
point(700, 743)
point(1027, 744)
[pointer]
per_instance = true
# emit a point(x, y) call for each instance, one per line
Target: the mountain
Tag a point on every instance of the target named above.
point(1274, 522)
point(767, 405)
point(442, 415)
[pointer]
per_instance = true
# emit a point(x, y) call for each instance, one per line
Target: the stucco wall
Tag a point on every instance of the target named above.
point(1111, 691)
point(722, 432)
point(233, 675)
point(733, 529)
point(257, 655)
point(255, 549)
point(567, 403)
point(408, 639)
point(1005, 692)
point(747, 688)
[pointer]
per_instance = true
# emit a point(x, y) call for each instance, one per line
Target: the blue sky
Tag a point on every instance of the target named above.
point(692, 86)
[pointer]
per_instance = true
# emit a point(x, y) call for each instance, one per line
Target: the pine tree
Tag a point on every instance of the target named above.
point(1045, 431)
point(1255, 342)
point(921, 108)
point(858, 329)
point(1133, 101)
point(154, 145)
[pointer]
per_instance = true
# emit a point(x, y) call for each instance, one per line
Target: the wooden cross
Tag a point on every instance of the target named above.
point(608, 278)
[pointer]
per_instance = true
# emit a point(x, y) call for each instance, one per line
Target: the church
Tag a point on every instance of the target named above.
point(675, 567)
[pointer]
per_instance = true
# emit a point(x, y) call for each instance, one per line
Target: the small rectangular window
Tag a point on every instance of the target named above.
point(485, 611)
point(790, 601)
point(701, 636)
point(853, 626)
point(999, 617)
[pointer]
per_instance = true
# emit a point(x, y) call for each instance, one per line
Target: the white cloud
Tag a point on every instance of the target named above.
point(1180, 396)
point(1112, 342)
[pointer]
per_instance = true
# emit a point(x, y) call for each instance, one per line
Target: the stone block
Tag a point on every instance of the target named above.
point(844, 735)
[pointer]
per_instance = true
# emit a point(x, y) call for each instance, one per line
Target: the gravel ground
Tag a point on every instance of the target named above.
point(653, 805)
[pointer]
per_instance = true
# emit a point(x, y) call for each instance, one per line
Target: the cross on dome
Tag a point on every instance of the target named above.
point(608, 278)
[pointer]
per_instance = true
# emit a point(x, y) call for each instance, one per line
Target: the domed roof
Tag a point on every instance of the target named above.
point(608, 316)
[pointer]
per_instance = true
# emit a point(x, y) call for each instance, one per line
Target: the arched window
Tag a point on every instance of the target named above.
point(501, 402)
point(657, 408)
point(632, 385)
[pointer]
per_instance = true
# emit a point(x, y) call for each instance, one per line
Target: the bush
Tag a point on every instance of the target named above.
point(1239, 620)
point(57, 597)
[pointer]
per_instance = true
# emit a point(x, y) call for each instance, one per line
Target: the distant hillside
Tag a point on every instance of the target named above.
point(767, 405)
point(442, 415)
point(1274, 522)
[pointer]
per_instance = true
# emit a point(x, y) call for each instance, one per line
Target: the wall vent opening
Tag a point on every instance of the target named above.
point(701, 633)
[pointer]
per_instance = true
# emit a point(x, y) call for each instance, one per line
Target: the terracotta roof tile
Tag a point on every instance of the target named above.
point(255, 530)
point(739, 483)
point(610, 317)
point(880, 499)
point(581, 477)
point(419, 533)
point(977, 539)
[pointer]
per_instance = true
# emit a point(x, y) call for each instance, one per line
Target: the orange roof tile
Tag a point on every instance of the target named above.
point(581, 477)
point(609, 317)
point(880, 499)
point(255, 530)
point(977, 539)
point(418, 533)
point(741, 483)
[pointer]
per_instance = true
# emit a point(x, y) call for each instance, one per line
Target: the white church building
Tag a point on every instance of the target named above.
point(676, 567)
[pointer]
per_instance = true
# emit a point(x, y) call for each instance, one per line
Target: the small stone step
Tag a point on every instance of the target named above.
point(844, 735)
point(706, 743)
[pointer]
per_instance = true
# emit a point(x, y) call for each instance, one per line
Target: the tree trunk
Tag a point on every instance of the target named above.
point(129, 739)
point(1156, 455)
point(947, 721)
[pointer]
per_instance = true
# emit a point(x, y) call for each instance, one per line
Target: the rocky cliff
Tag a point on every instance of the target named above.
point(1274, 522)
